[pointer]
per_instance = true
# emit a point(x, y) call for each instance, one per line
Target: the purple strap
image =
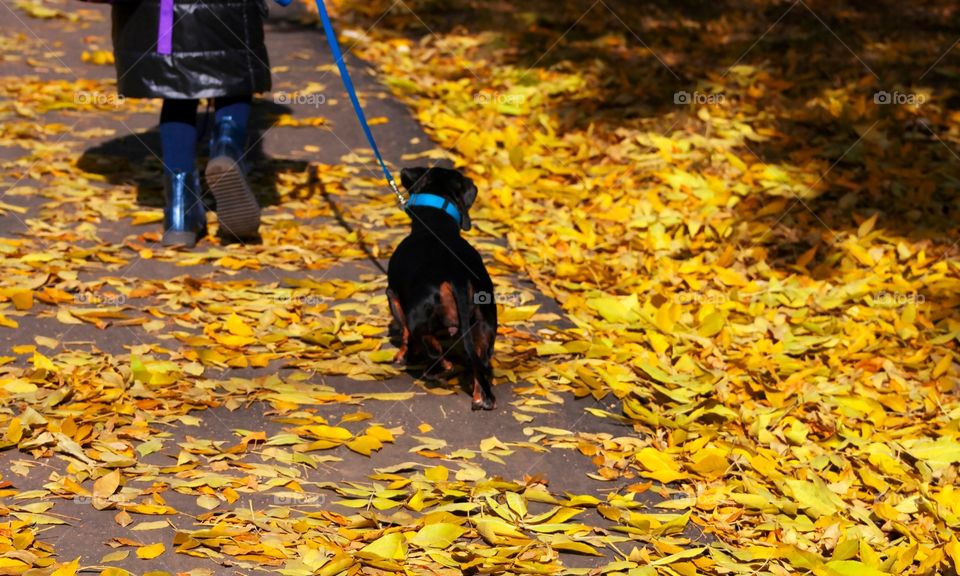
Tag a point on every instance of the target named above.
point(165, 32)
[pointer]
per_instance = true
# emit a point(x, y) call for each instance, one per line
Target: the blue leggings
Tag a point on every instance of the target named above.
point(178, 127)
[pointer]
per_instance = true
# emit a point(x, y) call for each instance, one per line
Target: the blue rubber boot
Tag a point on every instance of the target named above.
point(184, 217)
point(237, 209)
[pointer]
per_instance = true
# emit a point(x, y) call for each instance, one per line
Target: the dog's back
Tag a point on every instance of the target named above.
point(440, 292)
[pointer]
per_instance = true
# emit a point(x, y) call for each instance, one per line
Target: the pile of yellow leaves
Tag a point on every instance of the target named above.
point(806, 407)
point(777, 350)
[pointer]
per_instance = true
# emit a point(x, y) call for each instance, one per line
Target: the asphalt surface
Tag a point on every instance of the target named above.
point(298, 55)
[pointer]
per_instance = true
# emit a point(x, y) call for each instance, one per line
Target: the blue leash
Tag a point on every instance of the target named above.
point(352, 92)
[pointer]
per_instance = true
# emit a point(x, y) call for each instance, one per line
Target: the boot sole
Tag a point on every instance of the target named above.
point(237, 209)
point(181, 238)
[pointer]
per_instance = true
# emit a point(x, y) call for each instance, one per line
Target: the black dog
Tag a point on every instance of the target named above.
point(439, 290)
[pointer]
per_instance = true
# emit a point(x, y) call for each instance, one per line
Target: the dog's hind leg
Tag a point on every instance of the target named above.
point(401, 319)
point(483, 338)
point(435, 352)
point(478, 338)
point(448, 309)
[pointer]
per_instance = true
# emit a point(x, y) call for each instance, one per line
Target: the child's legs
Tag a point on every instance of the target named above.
point(178, 134)
point(236, 107)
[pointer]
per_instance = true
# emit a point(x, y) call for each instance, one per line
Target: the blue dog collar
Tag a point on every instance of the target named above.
point(434, 201)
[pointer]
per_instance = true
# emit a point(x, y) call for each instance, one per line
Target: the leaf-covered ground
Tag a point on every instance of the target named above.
point(724, 237)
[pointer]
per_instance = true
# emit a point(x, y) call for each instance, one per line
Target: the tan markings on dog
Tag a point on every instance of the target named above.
point(480, 347)
point(481, 334)
point(401, 356)
point(477, 390)
point(433, 344)
point(448, 304)
point(398, 315)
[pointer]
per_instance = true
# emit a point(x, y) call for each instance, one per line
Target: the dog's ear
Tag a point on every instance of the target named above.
point(465, 199)
point(469, 191)
point(465, 223)
point(410, 176)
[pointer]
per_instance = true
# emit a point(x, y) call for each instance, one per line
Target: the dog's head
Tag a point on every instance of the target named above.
point(443, 182)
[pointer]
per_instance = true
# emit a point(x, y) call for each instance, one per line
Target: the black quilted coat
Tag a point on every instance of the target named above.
point(190, 48)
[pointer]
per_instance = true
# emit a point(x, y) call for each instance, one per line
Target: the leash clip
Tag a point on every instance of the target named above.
point(401, 199)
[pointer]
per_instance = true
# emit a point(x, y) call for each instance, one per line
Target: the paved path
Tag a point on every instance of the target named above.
point(115, 147)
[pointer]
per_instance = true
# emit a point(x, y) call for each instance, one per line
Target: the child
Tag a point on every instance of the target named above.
point(181, 51)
